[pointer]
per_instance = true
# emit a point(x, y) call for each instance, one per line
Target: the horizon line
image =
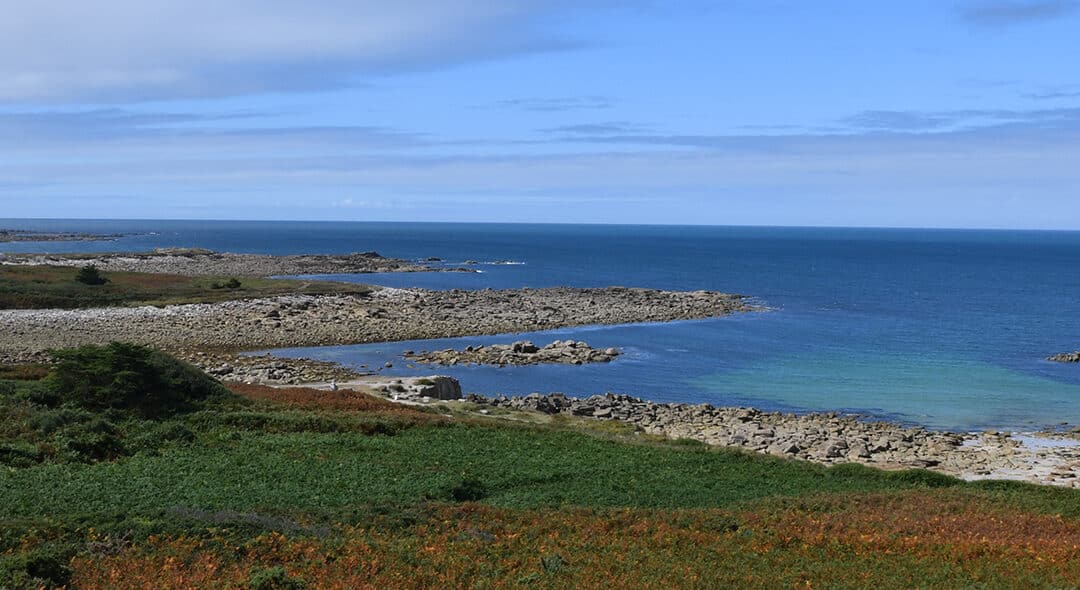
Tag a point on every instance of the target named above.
point(581, 223)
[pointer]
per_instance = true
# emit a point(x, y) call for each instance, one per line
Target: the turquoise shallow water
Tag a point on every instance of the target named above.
point(939, 327)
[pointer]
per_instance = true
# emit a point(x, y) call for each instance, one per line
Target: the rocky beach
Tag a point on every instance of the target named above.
point(829, 438)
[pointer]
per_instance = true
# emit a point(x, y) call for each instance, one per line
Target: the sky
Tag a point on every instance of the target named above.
point(898, 113)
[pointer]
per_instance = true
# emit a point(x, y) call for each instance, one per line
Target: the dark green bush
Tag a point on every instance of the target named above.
point(49, 421)
point(43, 567)
point(90, 275)
point(91, 441)
point(19, 454)
point(464, 490)
point(129, 377)
point(273, 578)
point(232, 283)
point(35, 392)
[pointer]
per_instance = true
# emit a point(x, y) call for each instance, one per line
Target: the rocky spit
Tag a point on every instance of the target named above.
point(270, 370)
point(522, 352)
point(199, 262)
point(1065, 357)
point(828, 438)
point(383, 315)
point(23, 235)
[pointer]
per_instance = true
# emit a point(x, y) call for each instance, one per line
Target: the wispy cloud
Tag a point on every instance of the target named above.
point(901, 120)
point(120, 50)
point(606, 128)
point(997, 13)
point(1068, 91)
point(557, 104)
point(935, 121)
point(126, 127)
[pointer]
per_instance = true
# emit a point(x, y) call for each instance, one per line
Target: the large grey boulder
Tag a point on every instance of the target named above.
point(441, 387)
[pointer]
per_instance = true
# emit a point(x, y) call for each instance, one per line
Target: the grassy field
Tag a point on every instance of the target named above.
point(36, 287)
point(292, 488)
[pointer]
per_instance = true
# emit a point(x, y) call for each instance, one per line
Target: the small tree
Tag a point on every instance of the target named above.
point(89, 275)
point(121, 376)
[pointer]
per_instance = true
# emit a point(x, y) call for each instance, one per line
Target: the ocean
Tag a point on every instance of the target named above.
point(943, 328)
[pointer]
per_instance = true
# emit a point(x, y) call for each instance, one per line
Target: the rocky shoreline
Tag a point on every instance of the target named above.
point(200, 262)
point(827, 438)
point(383, 315)
point(210, 335)
point(522, 352)
point(1065, 357)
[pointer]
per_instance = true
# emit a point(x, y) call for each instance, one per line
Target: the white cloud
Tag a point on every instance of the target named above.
point(63, 50)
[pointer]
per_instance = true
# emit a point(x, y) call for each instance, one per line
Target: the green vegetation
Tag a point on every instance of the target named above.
point(126, 468)
point(89, 275)
point(129, 377)
point(36, 287)
point(232, 283)
point(102, 403)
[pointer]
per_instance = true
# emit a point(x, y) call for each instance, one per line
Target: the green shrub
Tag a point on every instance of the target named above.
point(49, 421)
point(19, 454)
point(43, 567)
point(152, 439)
point(552, 563)
point(92, 441)
point(273, 578)
point(129, 377)
point(464, 490)
point(89, 275)
point(35, 392)
point(232, 283)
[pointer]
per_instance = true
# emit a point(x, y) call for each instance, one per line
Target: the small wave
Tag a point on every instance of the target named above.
point(485, 263)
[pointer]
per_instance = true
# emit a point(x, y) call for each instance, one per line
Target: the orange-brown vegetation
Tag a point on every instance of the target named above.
point(915, 539)
point(319, 399)
point(24, 372)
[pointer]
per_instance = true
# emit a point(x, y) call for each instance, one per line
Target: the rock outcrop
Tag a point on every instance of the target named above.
point(1065, 357)
point(522, 352)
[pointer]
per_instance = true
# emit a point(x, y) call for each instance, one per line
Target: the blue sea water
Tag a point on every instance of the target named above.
point(945, 328)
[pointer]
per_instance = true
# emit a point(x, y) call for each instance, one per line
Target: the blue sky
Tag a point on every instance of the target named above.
point(916, 113)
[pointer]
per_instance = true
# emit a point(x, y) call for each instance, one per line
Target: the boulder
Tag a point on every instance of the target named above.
point(441, 388)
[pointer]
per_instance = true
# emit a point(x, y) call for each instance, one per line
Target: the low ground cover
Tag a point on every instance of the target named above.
point(39, 287)
point(289, 488)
